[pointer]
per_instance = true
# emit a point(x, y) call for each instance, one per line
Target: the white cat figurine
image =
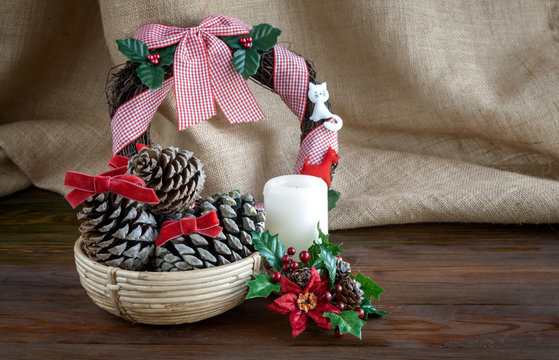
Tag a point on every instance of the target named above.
point(318, 94)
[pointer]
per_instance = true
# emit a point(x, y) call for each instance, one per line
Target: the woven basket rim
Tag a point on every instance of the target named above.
point(161, 275)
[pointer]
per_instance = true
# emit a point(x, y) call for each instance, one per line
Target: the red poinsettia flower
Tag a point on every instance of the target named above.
point(303, 303)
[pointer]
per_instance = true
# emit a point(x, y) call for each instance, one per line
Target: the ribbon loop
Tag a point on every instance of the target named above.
point(207, 224)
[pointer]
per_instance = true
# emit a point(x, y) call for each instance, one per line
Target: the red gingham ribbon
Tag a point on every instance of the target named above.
point(315, 145)
point(203, 71)
point(291, 80)
point(207, 224)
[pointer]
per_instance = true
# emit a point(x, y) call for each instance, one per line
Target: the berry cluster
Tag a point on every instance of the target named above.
point(246, 42)
point(153, 59)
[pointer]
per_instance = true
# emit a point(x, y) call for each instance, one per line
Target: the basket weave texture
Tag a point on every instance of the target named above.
point(166, 298)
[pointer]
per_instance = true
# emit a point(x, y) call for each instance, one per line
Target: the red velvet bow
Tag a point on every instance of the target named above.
point(128, 186)
point(207, 224)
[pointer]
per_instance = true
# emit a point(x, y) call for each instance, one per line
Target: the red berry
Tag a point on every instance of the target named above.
point(249, 39)
point(291, 251)
point(327, 296)
point(276, 276)
point(243, 40)
point(157, 56)
point(294, 265)
point(305, 256)
point(360, 311)
point(285, 267)
point(340, 305)
point(337, 333)
point(338, 288)
point(267, 265)
point(287, 258)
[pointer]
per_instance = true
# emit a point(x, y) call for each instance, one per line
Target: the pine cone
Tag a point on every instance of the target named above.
point(237, 216)
point(175, 175)
point(343, 269)
point(117, 231)
point(351, 294)
point(299, 277)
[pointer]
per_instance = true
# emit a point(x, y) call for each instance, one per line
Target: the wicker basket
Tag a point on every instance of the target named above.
point(163, 298)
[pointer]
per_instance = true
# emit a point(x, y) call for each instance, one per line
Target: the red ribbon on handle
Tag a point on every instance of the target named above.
point(128, 186)
point(207, 224)
point(203, 72)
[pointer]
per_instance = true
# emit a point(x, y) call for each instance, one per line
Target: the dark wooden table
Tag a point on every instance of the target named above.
point(453, 290)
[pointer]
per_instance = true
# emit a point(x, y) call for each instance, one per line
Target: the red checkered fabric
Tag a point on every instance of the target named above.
point(315, 145)
point(291, 80)
point(203, 71)
point(133, 117)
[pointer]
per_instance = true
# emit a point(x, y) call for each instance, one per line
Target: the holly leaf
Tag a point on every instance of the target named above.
point(330, 263)
point(368, 286)
point(246, 62)
point(270, 248)
point(167, 54)
point(347, 322)
point(233, 41)
point(325, 244)
point(264, 37)
point(261, 286)
point(151, 76)
point(370, 310)
point(133, 49)
point(333, 197)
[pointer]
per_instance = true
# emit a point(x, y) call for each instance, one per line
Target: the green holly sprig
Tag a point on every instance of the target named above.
point(150, 71)
point(246, 56)
point(323, 257)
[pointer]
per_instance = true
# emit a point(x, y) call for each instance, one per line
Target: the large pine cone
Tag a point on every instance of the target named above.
point(175, 175)
point(117, 231)
point(238, 217)
point(300, 277)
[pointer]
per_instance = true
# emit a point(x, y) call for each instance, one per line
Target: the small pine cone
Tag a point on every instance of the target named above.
point(343, 269)
point(117, 231)
point(299, 277)
point(351, 294)
point(175, 175)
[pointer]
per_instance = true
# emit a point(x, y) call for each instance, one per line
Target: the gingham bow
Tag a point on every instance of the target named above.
point(128, 186)
point(207, 224)
point(203, 71)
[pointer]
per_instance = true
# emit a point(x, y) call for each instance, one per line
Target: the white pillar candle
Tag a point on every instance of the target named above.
point(294, 205)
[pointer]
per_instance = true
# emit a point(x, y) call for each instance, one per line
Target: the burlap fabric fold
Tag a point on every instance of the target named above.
point(450, 108)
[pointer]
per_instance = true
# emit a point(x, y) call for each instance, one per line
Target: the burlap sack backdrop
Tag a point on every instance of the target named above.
point(451, 108)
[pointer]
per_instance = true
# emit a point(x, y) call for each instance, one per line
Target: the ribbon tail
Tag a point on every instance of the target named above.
point(76, 197)
point(169, 231)
point(132, 118)
point(230, 89)
point(192, 82)
point(208, 224)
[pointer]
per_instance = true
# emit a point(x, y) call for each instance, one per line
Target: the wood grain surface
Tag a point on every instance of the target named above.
point(453, 290)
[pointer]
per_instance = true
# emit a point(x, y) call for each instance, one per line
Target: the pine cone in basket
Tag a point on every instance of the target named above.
point(238, 217)
point(117, 231)
point(351, 294)
point(300, 276)
point(175, 175)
